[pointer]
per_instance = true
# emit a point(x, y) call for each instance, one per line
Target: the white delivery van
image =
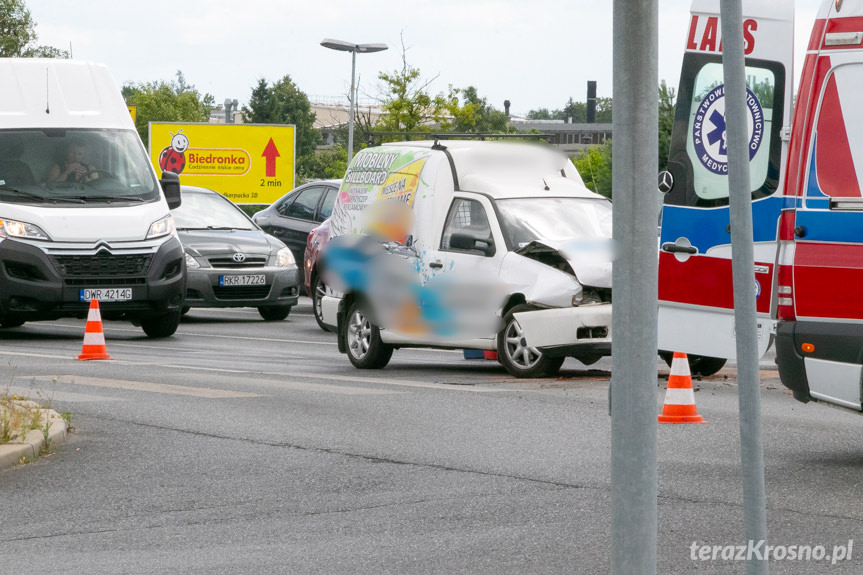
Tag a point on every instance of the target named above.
point(82, 213)
point(499, 234)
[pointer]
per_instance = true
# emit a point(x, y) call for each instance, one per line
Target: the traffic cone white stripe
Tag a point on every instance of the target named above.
point(94, 338)
point(93, 314)
point(678, 396)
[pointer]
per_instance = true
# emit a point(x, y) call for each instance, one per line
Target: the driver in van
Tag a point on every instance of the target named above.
point(73, 168)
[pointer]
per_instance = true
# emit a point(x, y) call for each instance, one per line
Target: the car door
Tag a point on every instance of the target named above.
point(297, 217)
point(696, 303)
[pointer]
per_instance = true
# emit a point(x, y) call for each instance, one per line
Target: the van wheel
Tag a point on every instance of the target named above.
point(520, 359)
point(363, 341)
point(274, 313)
point(319, 290)
point(164, 325)
point(702, 365)
point(11, 322)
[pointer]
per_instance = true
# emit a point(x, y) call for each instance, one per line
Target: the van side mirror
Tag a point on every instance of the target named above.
point(468, 242)
point(171, 188)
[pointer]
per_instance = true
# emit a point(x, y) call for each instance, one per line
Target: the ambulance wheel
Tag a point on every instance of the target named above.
point(164, 325)
point(520, 359)
point(363, 341)
point(698, 364)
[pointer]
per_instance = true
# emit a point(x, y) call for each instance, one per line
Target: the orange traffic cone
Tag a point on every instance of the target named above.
point(679, 406)
point(94, 337)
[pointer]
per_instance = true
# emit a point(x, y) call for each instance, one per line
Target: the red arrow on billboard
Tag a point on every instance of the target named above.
point(271, 153)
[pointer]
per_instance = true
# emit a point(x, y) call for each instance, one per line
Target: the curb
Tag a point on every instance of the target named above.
point(11, 453)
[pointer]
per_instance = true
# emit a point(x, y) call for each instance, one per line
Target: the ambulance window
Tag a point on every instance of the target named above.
point(706, 144)
point(838, 148)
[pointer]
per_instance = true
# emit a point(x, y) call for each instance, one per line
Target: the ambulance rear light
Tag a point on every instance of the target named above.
point(843, 38)
point(785, 294)
point(807, 347)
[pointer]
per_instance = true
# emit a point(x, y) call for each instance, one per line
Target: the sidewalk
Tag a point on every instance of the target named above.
point(26, 445)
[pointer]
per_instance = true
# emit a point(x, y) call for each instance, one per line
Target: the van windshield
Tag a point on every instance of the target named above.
point(553, 220)
point(66, 167)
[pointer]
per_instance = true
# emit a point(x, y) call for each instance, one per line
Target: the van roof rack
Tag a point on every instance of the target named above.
point(377, 138)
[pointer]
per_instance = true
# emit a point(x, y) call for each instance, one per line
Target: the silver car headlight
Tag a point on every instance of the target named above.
point(16, 229)
point(285, 259)
point(162, 227)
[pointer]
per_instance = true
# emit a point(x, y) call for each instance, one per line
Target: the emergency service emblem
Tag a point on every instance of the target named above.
point(708, 129)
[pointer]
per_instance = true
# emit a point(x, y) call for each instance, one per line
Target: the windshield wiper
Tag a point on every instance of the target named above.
point(30, 195)
point(87, 198)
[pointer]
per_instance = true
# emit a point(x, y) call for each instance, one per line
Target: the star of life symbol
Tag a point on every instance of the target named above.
point(709, 134)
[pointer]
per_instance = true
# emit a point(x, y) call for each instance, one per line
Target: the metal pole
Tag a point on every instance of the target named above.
point(743, 270)
point(353, 99)
point(634, 398)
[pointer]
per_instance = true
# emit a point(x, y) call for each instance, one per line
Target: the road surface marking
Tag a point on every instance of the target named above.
point(147, 386)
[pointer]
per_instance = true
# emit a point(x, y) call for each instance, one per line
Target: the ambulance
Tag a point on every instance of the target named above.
point(807, 206)
point(83, 215)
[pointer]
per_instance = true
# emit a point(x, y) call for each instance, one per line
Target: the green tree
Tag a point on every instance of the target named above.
point(594, 166)
point(284, 103)
point(603, 110)
point(575, 110)
point(18, 33)
point(326, 164)
point(162, 101)
point(666, 121)
point(405, 100)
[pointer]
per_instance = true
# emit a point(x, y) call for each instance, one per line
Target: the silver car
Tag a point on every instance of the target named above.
point(231, 262)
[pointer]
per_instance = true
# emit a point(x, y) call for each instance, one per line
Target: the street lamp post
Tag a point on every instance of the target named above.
point(343, 46)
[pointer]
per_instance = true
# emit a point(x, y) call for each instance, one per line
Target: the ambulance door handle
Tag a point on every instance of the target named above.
point(678, 249)
point(436, 265)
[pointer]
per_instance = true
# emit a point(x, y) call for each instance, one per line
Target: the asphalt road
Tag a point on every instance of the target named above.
point(241, 446)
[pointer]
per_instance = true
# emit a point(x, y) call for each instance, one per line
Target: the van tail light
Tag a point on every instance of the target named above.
point(785, 273)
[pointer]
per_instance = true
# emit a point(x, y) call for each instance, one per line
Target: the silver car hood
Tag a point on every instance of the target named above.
point(590, 260)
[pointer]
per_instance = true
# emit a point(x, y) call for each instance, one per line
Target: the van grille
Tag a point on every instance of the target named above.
point(103, 264)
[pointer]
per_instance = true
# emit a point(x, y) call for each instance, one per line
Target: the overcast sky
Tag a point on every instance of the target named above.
point(537, 54)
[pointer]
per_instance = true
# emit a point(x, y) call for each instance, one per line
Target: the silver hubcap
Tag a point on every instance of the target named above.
point(359, 335)
point(320, 291)
point(517, 350)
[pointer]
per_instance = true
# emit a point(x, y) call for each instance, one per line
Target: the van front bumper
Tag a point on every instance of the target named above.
point(583, 331)
point(35, 285)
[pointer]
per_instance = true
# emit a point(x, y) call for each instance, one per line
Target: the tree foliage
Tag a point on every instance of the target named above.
point(18, 34)
point(666, 121)
point(284, 103)
point(594, 166)
point(464, 111)
point(162, 101)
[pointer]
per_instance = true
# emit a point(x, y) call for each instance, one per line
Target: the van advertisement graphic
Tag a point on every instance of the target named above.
point(392, 174)
point(247, 163)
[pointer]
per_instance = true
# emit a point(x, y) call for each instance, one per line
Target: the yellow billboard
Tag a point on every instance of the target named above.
point(247, 163)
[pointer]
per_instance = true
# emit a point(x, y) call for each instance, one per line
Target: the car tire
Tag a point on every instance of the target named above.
point(185, 310)
point(519, 359)
point(702, 365)
point(164, 325)
point(11, 322)
point(363, 342)
point(319, 290)
point(274, 312)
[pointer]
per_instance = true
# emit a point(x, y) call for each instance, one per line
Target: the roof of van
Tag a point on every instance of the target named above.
point(58, 93)
point(507, 169)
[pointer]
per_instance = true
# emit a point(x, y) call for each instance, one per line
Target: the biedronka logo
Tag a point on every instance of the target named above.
point(179, 157)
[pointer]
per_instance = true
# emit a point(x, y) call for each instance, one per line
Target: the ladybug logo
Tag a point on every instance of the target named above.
point(173, 157)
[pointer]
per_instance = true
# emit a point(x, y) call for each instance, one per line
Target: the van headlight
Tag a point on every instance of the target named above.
point(16, 229)
point(285, 259)
point(163, 227)
point(191, 262)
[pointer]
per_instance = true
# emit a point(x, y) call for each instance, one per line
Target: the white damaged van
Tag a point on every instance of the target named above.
point(83, 215)
point(455, 244)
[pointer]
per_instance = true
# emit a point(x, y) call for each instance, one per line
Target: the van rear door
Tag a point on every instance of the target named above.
point(696, 302)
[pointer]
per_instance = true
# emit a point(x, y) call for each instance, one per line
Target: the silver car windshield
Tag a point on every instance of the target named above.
point(526, 220)
point(209, 211)
point(65, 167)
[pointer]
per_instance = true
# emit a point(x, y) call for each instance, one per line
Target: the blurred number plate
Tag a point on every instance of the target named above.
point(257, 280)
point(106, 294)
